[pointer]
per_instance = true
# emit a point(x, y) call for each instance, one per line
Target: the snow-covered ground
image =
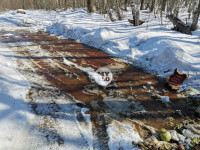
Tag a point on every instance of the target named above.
point(152, 46)
point(121, 137)
point(13, 113)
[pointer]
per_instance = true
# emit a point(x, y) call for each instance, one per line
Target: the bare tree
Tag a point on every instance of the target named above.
point(117, 9)
point(164, 4)
point(190, 8)
point(196, 13)
point(109, 7)
point(152, 5)
point(176, 8)
point(135, 5)
point(142, 5)
point(125, 5)
point(90, 5)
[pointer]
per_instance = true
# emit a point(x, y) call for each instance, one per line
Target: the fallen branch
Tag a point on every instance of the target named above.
point(179, 25)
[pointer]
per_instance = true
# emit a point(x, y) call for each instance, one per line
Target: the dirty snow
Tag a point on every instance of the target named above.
point(121, 136)
point(122, 106)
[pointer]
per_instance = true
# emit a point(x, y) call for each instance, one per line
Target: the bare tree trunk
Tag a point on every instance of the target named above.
point(90, 5)
point(164, 4)
point(102, 7)
point(190, 10)
point(117, 9)
point(152, 5)
point(73, 4)
point(142, 5)
point(35, 4)
point(125, 5)
point(196, 13)
point(176, 10)
point(59, 4)
point(23, 4)
point(137, 12)
point(65, 4)
point(97, 5)
point(108, 6)
point(135, 5)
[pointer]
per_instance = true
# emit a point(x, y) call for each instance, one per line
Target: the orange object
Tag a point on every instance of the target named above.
point(180, 147)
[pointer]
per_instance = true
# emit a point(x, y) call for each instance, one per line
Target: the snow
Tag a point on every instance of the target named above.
point(87, 132)
point(13, 114)
point(121, 136)
point(93, 75)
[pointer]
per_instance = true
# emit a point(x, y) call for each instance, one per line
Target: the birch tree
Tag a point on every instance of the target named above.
point(135, 5)
point(109, 6)
point(117, 9)
point(196, 12)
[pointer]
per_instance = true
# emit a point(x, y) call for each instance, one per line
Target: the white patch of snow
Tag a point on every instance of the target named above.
point(87, 131)
point(121, 136)
point(13, 114)
point(93, 75)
